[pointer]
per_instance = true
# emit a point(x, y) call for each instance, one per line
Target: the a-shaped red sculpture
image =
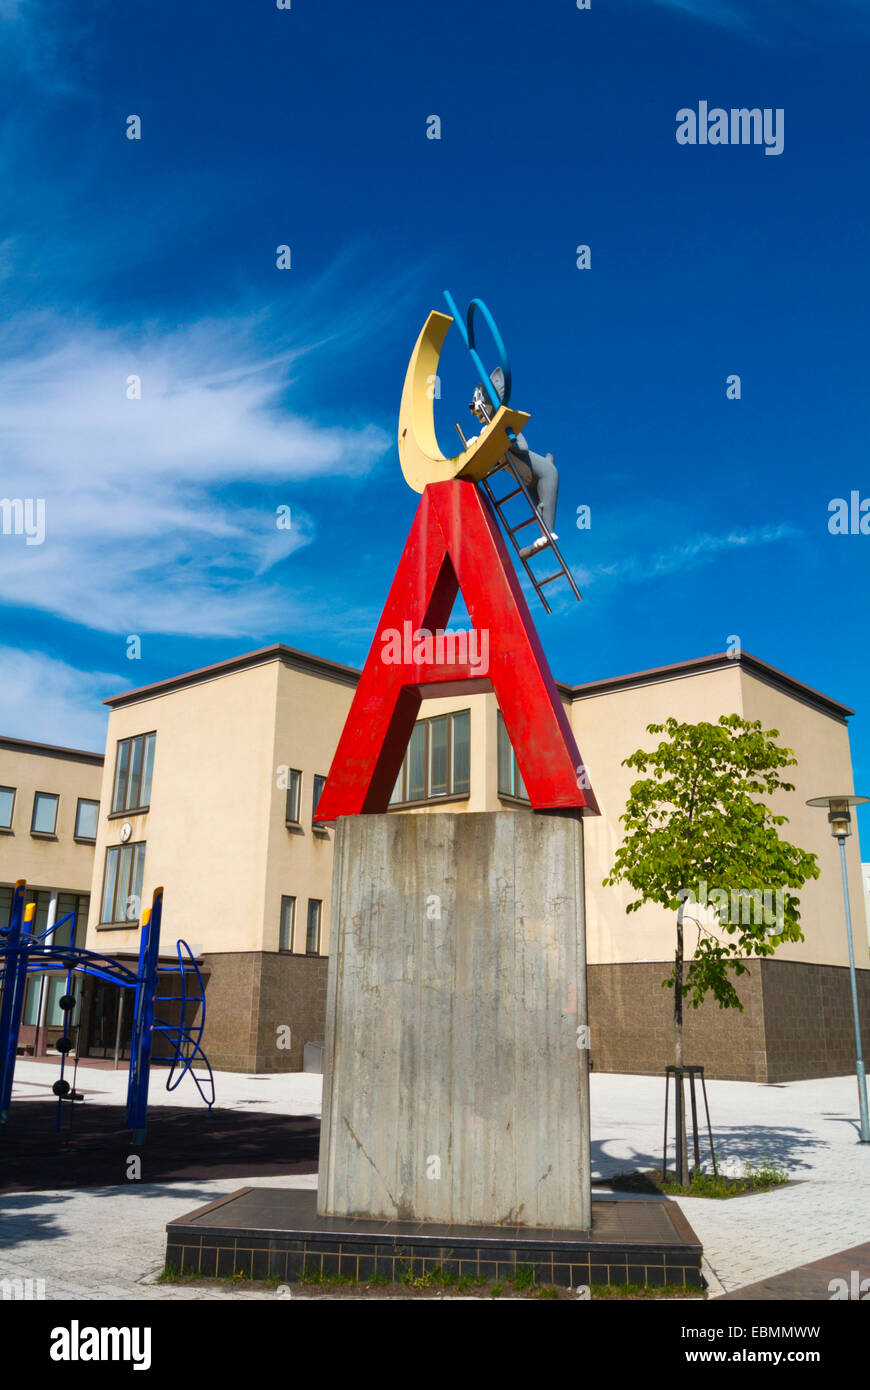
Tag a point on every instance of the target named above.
point(454, 544)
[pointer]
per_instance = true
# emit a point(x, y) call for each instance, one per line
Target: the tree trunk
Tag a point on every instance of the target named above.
point(681, 1147)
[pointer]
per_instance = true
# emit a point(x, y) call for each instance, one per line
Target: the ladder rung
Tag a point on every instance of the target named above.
point(510, 532)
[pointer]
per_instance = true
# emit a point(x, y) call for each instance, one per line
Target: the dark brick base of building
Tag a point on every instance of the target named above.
point(251, 997)
point(796, 1022)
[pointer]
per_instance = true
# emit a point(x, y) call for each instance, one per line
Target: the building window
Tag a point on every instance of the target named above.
point(73, 932)
point(7, 804)
point(460, 732)
point(47, 990)
point(55, 1016)
point(288, 919)
point(44, 813)
point(294, 796)
point(122, 883)
point(86, 819)
point(35, 985)
point(510, 779)
point(312, 934)
point(41, 897)
point(134, 765)
point(319, 784)
point(438, 760)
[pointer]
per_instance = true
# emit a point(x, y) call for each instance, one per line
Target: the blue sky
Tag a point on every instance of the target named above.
point(263, 387)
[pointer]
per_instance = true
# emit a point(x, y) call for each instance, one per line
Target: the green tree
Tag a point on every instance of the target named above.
point(695, 833)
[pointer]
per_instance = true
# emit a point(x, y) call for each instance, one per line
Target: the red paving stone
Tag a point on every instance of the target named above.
point(812, 1281)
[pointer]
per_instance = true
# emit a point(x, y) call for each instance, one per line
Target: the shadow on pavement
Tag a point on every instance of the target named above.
point(791, 1148)
point(182, 1144)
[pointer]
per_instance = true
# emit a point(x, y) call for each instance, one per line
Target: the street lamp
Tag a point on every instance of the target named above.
point(840, 820)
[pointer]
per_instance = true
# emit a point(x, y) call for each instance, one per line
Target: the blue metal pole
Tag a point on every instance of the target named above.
point(14, 979)
point(143, 1019)
point(862, 1075)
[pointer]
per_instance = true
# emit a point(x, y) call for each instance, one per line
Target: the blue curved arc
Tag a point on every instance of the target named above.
point(54, 926)
point(178, 1033)
point(32, 959)
point(88, 962)
point(467, 331)
point(177, 1036)
point(500, 349)
point(93, 972)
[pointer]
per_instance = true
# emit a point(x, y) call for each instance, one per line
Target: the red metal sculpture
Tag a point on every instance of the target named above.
point(454, 544)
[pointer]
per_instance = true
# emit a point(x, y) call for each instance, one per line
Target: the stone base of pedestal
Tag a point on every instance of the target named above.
point(275, 1233)
point(454, 1087)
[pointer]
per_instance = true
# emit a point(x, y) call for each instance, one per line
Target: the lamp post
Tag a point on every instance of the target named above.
point(840, 820)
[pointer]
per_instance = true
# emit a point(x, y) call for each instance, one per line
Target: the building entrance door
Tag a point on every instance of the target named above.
point(111, 1022)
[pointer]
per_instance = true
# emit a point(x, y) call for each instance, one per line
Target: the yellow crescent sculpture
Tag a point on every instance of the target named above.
point(421, 459)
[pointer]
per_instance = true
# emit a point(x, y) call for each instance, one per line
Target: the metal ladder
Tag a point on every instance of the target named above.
point(507, 463)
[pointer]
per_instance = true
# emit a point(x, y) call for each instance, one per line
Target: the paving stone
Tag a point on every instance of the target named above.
point(808, 1127)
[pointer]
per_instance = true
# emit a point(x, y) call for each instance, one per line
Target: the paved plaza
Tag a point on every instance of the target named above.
point(807, 1127)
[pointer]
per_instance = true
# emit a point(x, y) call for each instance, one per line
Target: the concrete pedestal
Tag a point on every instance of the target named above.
point(454, 1088)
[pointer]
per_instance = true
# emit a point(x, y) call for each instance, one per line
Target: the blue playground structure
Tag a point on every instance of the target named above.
point(23, 954)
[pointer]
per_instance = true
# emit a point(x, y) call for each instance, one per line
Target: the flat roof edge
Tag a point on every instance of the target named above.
point(349, 675)
point(51, 750)
point(287, 656)
point(718, 661)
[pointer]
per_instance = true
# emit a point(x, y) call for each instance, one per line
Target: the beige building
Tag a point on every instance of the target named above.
point(797, 1013)
point(49, 810)
point(208, 790)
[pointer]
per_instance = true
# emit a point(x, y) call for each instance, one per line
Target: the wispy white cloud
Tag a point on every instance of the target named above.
point(626, 534)
point(47, 701)
point(700, 550)
point(36, 37)
point(768, 20)
point(711, 11)
point(146, 527)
